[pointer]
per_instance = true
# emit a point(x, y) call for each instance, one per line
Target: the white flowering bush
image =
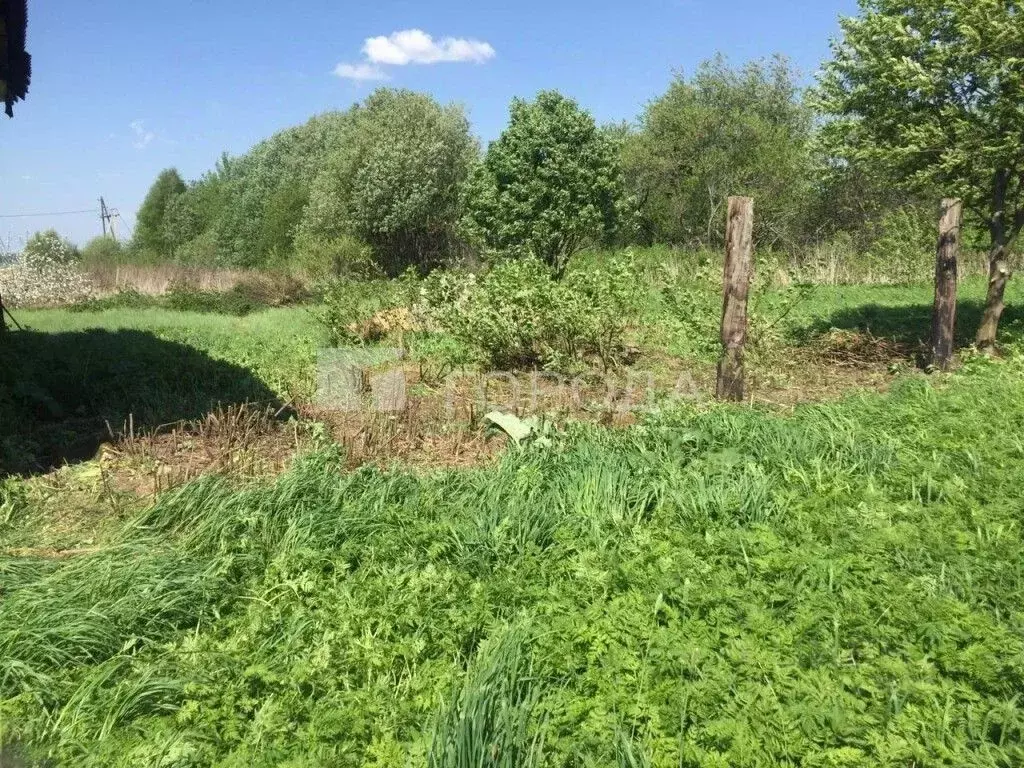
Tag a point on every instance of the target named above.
point(46, 275)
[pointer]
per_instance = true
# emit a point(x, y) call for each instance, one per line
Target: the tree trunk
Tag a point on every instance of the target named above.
point(998, 276)
point(998, 266)
point(739, 260)
point(944, 311)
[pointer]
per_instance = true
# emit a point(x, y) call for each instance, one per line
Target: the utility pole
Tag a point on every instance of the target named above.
point(104, 215)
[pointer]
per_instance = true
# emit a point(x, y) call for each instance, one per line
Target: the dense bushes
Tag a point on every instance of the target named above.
point(517, 315)
point(386, 173)
point(397, 181)
point(724, 132)
point(47, 274)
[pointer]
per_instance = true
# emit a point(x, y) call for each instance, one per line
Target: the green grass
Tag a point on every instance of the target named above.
point(71, 377)
point(277, 345)
point(842, 587)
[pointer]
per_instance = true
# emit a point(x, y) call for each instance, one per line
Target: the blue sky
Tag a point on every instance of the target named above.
point(121, 90)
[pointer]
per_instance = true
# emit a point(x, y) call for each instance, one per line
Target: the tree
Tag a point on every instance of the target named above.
point(259, 198)
point(181, 223)
point(150, 234)
point(724, 132)
point(395, 181)
point(550, 184)
point(15, 62)
point(931, 90)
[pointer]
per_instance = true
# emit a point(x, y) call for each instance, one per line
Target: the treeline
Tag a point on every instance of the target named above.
point(398, 181)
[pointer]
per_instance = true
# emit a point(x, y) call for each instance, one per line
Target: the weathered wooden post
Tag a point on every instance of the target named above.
point(739, 262)
point(944, 311)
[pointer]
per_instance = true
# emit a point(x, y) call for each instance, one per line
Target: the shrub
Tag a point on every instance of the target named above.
point(904, 250)
point(102, 252)
point(518, 315)
point(126, 298)
point(348, 303)
point(48, 274)
point(322, 257)
point(48, 249)
point(185, 298)
point(270, 289)
point(252, 294)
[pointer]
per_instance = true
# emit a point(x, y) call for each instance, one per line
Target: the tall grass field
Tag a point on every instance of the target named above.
point(838, 587)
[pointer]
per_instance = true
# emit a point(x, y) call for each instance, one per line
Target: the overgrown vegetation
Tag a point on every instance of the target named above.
point(205, 560)
point(46, 274)
point(835, 588)
point(517, 315)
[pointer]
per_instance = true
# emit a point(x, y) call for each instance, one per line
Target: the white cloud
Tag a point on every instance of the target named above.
point(362, 71)
point(412, 46)
point(143, 137)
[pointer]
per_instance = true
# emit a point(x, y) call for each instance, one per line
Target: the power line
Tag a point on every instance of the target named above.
point(52, 213)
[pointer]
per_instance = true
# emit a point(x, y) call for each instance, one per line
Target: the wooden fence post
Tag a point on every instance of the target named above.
point(944, 311)
point(739, 262)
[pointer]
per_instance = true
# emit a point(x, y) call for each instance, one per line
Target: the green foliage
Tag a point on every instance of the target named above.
point(840, 587)
point(329, 257)
point(245, 211)
point(281, 217)
point(348, 301)
point(394, 182)
point(266, 182)
point(181, 224)
point(723, 132)
point(517, 314)
point(150, 236)
point(126, 298)
point(490, 721)
point(929, 91)
point(547, 187)
point(904, 249)
point(101, 252)
point(247, 296)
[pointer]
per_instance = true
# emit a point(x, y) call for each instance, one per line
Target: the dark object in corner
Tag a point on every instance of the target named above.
point(15, 63)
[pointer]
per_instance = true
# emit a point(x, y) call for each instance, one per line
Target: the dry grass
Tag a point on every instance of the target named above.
point(241, 441)
point(156, 279)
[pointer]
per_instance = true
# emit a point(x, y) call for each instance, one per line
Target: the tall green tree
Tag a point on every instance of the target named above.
point(550, 184)
point(723, 132)
point(261, 195)
point(395, 180)
point(931, 91)
point(150, 236)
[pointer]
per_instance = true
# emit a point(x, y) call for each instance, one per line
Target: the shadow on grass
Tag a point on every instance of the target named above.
point(59, 391)
point(911, 324)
